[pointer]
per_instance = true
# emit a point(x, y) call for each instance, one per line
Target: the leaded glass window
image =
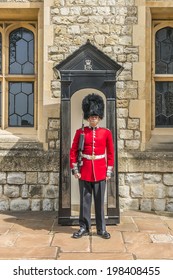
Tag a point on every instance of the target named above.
point(164, 104)
point(21, 100)
point(164, 51)
point(21, 52)
point(164, 68)
point(18, 76)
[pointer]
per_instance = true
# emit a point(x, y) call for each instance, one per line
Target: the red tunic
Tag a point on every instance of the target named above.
point(97, 142)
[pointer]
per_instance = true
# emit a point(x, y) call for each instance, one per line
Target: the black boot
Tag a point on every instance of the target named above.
point(104, 234)
point(81, 232)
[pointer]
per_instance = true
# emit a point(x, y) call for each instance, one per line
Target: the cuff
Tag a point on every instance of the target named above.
point(75, 169)
point(109, 171)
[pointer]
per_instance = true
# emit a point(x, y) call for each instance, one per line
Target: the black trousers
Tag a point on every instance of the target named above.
point(86, 189)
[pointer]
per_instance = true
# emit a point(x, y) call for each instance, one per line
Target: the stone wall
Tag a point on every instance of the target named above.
point(109, 26)
point(146, 191)
point(29, 176)
point(146, 181)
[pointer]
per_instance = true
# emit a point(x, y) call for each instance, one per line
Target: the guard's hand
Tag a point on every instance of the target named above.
point(108, 178)
point(77, 175)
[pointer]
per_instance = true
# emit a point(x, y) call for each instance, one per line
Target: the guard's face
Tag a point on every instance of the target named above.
point(93, 120)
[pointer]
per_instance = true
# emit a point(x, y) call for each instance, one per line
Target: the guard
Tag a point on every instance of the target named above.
point(91, 162)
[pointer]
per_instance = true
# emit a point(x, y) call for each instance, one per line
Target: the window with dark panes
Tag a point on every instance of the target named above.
point(21, 103)
point(21, 52)
point(21, 62)
point(163, 77)
point(17, 96)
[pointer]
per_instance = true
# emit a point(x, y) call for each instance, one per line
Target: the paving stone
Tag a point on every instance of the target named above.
point(114, 244)
point(68, 244)
point(157, 251)
point(169, 223)
point(69, 229)
point(33, 240)
point(126, 224)
point(40, 253)
point(4, 228)
point(136, 237)
point(8, 240)
point(31, 227)
point(151, 225)
point(126, 227)
point(161, 238)
point(132, 213)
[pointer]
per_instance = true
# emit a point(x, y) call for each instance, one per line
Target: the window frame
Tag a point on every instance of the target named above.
point(157, 25)
point(6, 77)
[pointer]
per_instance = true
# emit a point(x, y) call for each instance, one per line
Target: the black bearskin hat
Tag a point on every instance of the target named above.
point(93, 105)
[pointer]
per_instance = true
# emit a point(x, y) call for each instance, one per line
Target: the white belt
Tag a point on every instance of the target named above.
point(93, 156)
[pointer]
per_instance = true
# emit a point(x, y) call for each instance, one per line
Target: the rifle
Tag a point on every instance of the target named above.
point(81, 147)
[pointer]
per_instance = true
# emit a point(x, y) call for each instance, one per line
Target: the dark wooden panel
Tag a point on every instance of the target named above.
point(65, 147)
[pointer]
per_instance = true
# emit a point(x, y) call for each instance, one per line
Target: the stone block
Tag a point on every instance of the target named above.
point(149, 190)
point(51, 191)
point(137, 135)
point(133, 124)
point(100, 39)
point(11, 191)
point(52, 134)
point(4, 204)
point(121, 123)
point(134, 179)
point(132, 144)
point(54, 178)
point(25, 191)
point(19, 204)
point(126, 134)
point(1, 190)
point(54, 123)
point(128, 203)
point(74, 29)
point(169, 191)
point(146, 205)
point(35, 191)
point(31, 178)
point(169, 205)
point(43, 178)
point(128, 93)
point(150, 178)
point(124, 191)
point(122, 103)
point(48, 204)
point(121, 179)
point(64, 11)
point(122, 112)
point(136, 191)
point(160, 191)
point(120, 145)
point(16, 178)
point(35, 205)
point(159, 204)
point(168, 179)
point(3, 178)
